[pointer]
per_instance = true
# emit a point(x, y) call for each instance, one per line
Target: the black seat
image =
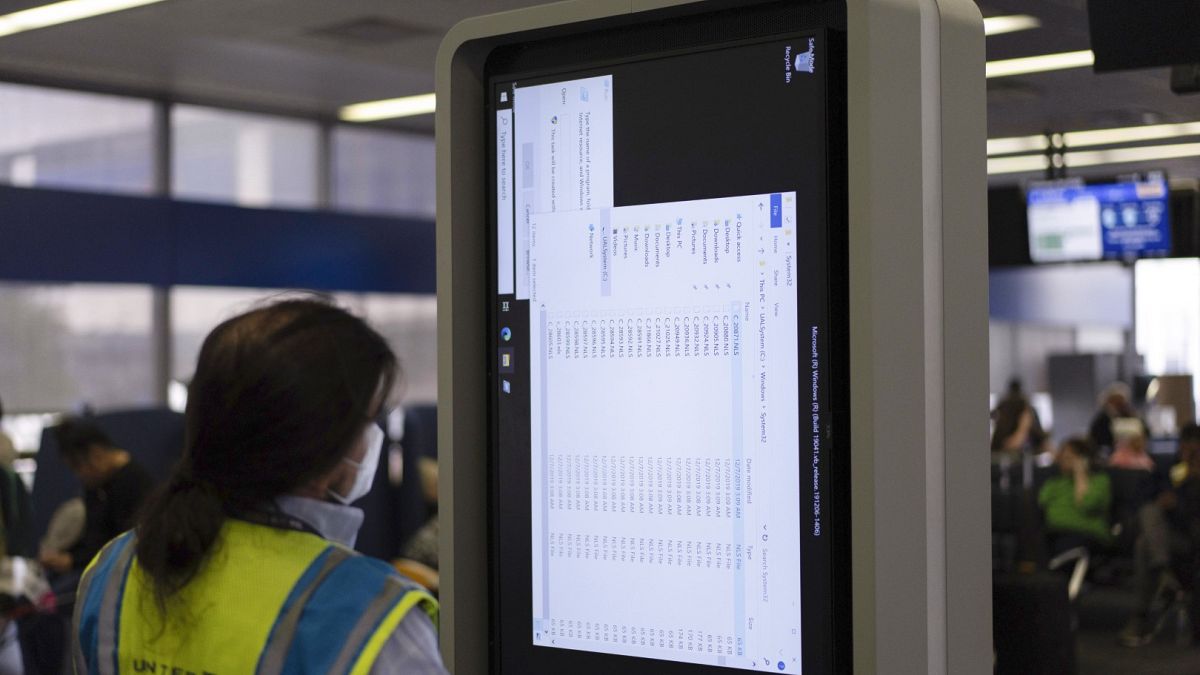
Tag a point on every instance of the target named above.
point(1131, 489)
point(1016, 527)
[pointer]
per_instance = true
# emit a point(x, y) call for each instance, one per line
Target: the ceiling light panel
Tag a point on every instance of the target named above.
point(1015, 144)
point(1080, 139)
point(998, 25)
point(1040, 64)
point(63, 12)
point(1025, 163)
point(1149, 153)
point(372, 111)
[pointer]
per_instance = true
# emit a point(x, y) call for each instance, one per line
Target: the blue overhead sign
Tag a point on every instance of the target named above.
point(1073, 221)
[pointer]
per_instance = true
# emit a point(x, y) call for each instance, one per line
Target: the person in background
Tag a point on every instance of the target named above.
point(65, 528)
point(16, 514)
point(114, 488)
point(1016, 536)
point(1114, 404)
point(1076, 502)
point(1165, 551)
point(423, 547)
point(1012, 423)
point(1040, 443)
point(8, 452)
point(1130, 451)
point(243, 562)
point(1189, 444)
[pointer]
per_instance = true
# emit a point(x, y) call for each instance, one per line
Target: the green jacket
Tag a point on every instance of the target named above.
point(1089, 516)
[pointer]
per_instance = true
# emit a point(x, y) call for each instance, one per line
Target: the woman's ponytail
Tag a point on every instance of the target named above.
point(179, 528)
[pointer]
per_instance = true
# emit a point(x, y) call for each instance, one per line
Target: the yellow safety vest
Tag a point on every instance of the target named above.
point(267, 600)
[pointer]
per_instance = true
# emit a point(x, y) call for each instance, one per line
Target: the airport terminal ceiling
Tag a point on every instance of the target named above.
point(320, 55)
point(1075, 99)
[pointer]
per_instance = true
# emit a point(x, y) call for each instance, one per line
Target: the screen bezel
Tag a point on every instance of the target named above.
point(829, 20)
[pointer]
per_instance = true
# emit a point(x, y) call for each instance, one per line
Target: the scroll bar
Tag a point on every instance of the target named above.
point(545, 451)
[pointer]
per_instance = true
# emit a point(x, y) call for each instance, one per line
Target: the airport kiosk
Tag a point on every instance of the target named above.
point(712, 300)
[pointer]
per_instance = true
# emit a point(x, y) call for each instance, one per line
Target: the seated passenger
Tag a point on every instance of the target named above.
point(423, 547)
point(242, 563)
point(65, 528)
point(1189, 443)
point(1114, 405)
point(1130, 437)
point(1165, 551)
point(114, 487)
point(1076, 502)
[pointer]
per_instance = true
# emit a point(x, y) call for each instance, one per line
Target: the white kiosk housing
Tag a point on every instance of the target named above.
point(917, 293)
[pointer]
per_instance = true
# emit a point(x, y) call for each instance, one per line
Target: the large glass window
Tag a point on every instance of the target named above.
point(1168, 317)
point(67, 346)
point(68, 139)
point(383, 172)
point(409, 322)
point(196, 310)
point(244, 159)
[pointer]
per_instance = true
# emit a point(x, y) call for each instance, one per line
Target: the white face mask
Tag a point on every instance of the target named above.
point(365, 475)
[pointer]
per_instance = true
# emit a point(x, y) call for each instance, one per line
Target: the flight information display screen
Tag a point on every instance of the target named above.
point(1071, 221)
point(663, 358)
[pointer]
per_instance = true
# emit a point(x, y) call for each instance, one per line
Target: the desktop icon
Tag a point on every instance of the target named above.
point(506, 360)
point(804, 61)
point(506, 334)
point(504, 97)
point(506, 386)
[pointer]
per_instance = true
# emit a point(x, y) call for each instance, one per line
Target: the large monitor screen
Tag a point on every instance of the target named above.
point(1071, 221)
point(669, 246)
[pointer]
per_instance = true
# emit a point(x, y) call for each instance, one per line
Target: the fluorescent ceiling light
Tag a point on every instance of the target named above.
point(63, 12)
point(1148, 153)
point(1017, 164)
point(1078, 139)
point(1015, 144)
point(389, 108)
point(998, 25)
point(1040, 64)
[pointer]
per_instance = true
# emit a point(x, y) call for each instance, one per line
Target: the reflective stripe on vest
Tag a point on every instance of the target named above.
point(96, 614)
point(333, 613)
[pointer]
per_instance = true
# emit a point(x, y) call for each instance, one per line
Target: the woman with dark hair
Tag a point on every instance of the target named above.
point(1076, 502)
point(242, 562)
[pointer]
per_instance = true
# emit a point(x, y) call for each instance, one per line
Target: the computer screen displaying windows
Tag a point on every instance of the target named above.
point(662, 402)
